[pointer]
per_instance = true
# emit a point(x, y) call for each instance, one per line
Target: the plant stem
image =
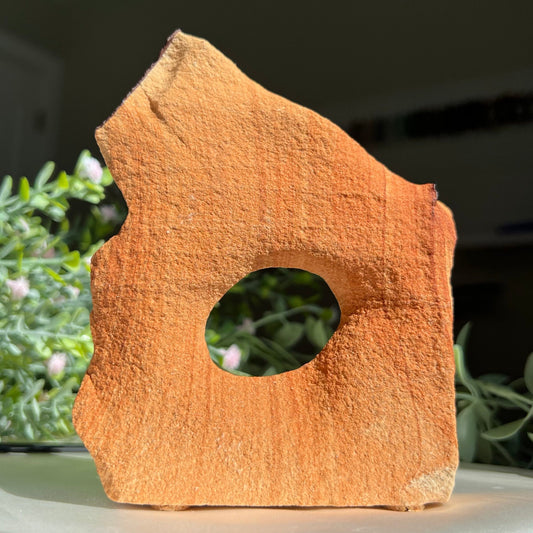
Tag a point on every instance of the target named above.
point(284, 314)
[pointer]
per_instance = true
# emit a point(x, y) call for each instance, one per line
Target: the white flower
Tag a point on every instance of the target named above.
point(231, 357)
point(91, 168)
point(247, 326)
point(74, 290)
point(56, 363)
point(109, 213)
point(19, 287)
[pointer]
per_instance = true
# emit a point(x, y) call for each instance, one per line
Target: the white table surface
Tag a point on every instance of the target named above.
point(59, 493)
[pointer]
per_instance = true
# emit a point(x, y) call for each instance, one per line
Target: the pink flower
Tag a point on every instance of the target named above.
point(109, 213)
point(231, 357)
point(247, 326)
point(74, 290)
point(43, 251)
point(56, 363)
point(19, 287)
point(91, 168)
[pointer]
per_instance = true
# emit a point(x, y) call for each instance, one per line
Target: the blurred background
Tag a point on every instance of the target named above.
point(438, 91)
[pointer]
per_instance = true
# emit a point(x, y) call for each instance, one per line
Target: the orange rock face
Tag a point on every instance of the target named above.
point(223, 178)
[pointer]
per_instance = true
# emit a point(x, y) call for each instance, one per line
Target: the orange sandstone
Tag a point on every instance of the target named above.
point(223, 178)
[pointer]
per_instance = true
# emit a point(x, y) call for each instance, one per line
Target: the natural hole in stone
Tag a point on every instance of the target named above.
point(273, 321)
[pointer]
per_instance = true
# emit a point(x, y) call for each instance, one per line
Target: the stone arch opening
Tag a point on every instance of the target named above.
point(272, 321)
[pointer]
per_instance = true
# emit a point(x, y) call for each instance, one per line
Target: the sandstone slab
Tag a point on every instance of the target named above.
point(223, 178)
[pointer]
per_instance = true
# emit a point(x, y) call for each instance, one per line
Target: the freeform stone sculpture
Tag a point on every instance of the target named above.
point(223, 178)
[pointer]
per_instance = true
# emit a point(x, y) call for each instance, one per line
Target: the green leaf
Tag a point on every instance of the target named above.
point(107, 179)
point(467, 434)
point(72, 260)
point(44, 174)
point(530, 435)
point(271, 371)
point(295, 301)
point(289, 334)
point(8, 248)
point(279, 305)
point(60, 203)
point(65, 390)
point(464, 396)
point(211, 336)
point(93, 198)
point(498, 379)
point(34, 404)
point(316, 332)
point(13, 349)
point(21, 415)
point(327, 314)
point(285, 358)
point(28, 431)
point(54, 275)
point(82, 156)
point(40, 201)
point(238, 372)
point(507, 393)
point(5, 190)
point(272, 357)
point(58, 321)
point(528, 373)
point(483, 412)
point(24, 189)
point(506, 431)
point(35, 389)
point(463, 335)
point(20, 259)
point(62, 180)
point(63, 427)
point(55, 213)
point(461, 373)
point(94, 187)
point(64, 225)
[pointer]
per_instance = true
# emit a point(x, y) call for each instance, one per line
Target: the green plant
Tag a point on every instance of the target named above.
point(494, 417)
point(272, 321)
point(45, 341)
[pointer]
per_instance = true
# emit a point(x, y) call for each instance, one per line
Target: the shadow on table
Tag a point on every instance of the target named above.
point(67, 478)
